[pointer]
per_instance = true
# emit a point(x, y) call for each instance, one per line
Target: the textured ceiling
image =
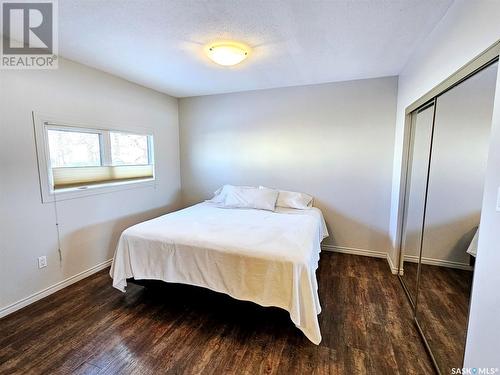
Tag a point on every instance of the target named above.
point(159, 44)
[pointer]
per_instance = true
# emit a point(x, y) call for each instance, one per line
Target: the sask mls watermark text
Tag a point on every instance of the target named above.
point(29, 31)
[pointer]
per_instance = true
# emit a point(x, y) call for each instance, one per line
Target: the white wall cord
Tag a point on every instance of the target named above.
point(57, 229)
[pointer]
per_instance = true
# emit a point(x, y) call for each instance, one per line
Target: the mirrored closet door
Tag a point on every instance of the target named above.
point(447, 154)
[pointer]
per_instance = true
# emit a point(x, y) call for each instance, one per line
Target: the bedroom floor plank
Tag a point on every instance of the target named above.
point(91, 328)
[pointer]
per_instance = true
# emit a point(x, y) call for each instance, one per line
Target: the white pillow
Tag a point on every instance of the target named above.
point(292, 199)
point(218, 196)
point(220, 193)
point(250, 197)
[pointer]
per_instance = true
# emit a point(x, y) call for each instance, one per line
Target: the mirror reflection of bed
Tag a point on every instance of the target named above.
point(447, 157)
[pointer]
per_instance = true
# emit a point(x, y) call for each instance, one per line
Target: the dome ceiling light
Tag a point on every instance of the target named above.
point(227, 53)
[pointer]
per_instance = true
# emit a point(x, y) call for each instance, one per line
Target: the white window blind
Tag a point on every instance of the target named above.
point(70, 177)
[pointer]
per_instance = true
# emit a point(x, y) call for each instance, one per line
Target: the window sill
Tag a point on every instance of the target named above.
point(79, 192)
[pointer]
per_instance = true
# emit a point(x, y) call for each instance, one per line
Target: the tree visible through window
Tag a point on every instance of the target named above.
point(74, 149)
point(129, 149)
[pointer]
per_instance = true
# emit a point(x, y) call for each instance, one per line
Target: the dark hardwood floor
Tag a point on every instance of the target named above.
point(443, 309)
point(91, 328)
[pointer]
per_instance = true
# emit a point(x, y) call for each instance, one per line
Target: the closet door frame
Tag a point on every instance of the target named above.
point(408, 176)
point(482, 61)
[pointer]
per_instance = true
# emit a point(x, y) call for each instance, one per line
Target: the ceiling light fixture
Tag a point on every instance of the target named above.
point(227, 53)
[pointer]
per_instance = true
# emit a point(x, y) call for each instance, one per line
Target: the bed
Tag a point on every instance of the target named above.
point(266, 257)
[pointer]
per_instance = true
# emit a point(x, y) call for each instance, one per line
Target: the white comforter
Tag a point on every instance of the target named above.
point(266, 257)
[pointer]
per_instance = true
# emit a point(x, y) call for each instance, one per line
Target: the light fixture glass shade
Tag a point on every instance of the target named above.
point(227, 54)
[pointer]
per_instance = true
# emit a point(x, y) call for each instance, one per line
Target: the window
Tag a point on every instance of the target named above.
point(76, 160)
point(129, 149)
point(74, 149)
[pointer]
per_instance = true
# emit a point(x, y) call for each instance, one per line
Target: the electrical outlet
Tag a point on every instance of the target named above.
point(42, 261)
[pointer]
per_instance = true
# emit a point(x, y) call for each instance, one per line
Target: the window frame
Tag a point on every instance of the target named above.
point(43, 123)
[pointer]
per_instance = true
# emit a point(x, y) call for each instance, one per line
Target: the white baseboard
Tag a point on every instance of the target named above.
point(393, 268)
point(9, 309)
point(362, 252)
point(439, 262)
point(354, 251)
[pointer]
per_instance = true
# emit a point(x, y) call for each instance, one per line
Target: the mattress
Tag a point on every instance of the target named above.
point(266, 257)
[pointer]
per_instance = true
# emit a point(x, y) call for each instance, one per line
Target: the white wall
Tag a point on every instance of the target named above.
point(89, 225)
point(468, 28)
point(334, 141)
